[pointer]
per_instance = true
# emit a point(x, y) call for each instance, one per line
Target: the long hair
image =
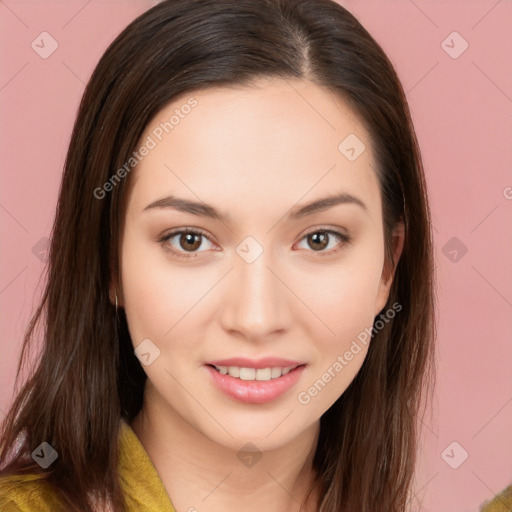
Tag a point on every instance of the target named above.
point(87, 377)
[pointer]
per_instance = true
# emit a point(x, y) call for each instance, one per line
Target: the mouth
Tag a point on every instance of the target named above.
point(255, 382)
point(254, 374)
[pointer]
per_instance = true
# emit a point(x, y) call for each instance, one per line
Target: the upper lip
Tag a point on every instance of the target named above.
point(265, 362)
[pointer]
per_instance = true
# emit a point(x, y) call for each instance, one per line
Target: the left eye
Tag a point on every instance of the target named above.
point(320, 240)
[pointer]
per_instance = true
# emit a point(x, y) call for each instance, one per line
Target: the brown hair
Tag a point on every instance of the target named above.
point(87, 377)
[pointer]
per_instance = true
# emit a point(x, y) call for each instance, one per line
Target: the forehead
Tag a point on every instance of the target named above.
point(272, 141)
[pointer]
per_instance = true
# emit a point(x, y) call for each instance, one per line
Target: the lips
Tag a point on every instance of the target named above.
point(265, 362)
point(255, 381)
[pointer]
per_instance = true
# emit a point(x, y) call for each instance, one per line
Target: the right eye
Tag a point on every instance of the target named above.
point(186, 240)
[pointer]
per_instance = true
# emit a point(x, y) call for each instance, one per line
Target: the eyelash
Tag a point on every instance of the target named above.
point(345, 238)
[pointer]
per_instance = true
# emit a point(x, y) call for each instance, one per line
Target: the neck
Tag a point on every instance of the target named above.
point(202, 475)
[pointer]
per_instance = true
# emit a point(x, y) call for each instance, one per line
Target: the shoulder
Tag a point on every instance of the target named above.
point(32, 492)
point(139, 480)
point(26, 493)
point(500, 503)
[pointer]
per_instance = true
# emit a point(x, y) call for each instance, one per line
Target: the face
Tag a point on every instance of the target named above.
point(273, 293)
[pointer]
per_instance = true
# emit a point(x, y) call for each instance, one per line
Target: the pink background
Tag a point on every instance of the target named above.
point(462, 109)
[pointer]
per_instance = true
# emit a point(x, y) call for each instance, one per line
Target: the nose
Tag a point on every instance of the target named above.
point(255, 305)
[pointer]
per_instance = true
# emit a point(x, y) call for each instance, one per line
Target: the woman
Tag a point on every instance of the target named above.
point(240, 305)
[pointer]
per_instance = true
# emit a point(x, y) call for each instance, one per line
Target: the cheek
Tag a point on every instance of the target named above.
point(346, 306)
point(346, 297)
point(343, 300)
point(157, 295)
point(342, 295)
point(339, 354)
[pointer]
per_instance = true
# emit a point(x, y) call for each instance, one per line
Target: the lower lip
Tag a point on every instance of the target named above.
point(255, 391)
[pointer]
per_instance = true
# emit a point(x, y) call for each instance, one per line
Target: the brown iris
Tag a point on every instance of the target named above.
point(320, 239)
point(192, 241)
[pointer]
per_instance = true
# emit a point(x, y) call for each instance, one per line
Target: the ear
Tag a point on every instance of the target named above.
point(112, 291)
point(388, 273)
point(114, 287)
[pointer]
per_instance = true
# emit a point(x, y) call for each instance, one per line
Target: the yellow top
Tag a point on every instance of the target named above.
point(143, 489)
point(501, 503)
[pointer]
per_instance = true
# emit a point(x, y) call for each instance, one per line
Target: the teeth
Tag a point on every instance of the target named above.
point(247, 373)
point(276, 372)
point(263, 373)
point(253, 373)
point(234, 371)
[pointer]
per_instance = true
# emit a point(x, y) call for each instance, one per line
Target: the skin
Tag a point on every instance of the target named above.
point(254, 153)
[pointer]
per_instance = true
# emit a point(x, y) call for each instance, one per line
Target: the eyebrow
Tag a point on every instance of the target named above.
point(205, 210)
